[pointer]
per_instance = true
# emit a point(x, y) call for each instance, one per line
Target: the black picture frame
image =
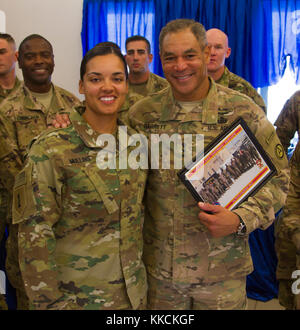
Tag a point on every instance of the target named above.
point(232, 168)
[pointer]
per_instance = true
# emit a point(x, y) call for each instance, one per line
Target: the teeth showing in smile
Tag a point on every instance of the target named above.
point(107, 99)
point(183, 77)
point(40, 70)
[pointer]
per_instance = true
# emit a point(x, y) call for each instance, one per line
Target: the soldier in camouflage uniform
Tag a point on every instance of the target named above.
point(218, 41)
point(197, 260)
point(142, 82)
point(288, 121)
point(8, 58)
point(287, 241)
point(8, 84)
point(80, 226)
point(24, 114)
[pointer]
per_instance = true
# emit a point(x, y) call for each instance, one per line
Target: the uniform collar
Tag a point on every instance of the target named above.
point(89, 136)
point(224, 79)
point(170, 107)
point(31, 103)
point(4, 93)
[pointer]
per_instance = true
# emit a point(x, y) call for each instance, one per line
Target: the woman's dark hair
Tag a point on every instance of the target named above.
point(101, 49)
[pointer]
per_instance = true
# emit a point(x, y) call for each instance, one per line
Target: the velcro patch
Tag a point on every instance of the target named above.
point(279, 152)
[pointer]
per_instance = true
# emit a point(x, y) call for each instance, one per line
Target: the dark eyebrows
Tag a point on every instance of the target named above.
point(191, 50)
point(100, 74)
point(188, 51)
point(167, 54)
point(131, 50)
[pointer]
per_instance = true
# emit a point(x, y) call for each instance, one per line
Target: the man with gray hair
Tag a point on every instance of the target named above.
point(197, 256)
point(219, 51)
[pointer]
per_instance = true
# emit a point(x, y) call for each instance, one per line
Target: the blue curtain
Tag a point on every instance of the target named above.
point(116, 20)
point(275, 37)
point(261, 32)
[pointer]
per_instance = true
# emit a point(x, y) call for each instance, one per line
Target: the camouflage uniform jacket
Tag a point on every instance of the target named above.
point(22, 118)
point(80, 227)
point(287, 238)
point(154, 84)
point(176, 245)
point(288, 231)
point(241, 85)
point(288, 121)
point(3, 198)
point(5, 92)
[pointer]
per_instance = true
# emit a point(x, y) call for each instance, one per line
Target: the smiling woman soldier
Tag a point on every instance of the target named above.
point(80, 227)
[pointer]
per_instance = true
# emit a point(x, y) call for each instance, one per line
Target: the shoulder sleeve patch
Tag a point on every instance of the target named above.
point(279, 152)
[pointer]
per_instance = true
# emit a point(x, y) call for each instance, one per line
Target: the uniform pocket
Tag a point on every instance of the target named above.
point(23, 198)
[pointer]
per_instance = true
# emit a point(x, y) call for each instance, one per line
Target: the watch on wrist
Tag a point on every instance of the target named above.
point(241, 230)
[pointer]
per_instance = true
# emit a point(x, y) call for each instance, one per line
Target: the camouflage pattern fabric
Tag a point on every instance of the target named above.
point(225, 295)
point(21, 119)
point(3, 305)
point(5, 92)
point(287, 235)
point(241, 85)
point(288, 121)
point(154, 84)
point(177, 247)
point(3, 196)
point(80, 228)
point(3, 213)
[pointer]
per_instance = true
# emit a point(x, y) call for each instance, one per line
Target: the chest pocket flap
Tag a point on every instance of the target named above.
point(105, 194)
point(23, 199)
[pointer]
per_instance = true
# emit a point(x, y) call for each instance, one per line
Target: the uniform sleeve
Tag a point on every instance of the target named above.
point(288, 231)
point(250, 91)
point(37, 208)
point(259, 100)
point(10, 160)
point(287, 122)
point(259, 211)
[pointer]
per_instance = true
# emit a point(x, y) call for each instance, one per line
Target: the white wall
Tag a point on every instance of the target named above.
point(59, 21)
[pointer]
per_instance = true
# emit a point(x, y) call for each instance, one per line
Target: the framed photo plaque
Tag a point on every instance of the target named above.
point(233, 167)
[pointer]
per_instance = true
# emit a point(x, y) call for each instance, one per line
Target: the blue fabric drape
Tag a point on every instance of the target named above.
point(262, 283)
point(116, 20)
point(261, 32)
point(275, 35)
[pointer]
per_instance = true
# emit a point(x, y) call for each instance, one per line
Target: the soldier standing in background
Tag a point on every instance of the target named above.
point(197, 260)
point(218, 41)
point(8, 83)
point(287, 241)
point(8, 58)
point(288, 121)
point(24, 114)
point(142, 82)
point(83, 223)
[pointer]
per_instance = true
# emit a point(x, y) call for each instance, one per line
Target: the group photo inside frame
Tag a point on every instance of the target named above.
point(231, 169)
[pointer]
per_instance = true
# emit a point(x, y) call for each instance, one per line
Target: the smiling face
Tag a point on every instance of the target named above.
point(104, 85)
point(36, 60)
point(184, 65)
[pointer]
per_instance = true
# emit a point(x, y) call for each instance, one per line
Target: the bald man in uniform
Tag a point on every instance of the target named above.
point(220, 50)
